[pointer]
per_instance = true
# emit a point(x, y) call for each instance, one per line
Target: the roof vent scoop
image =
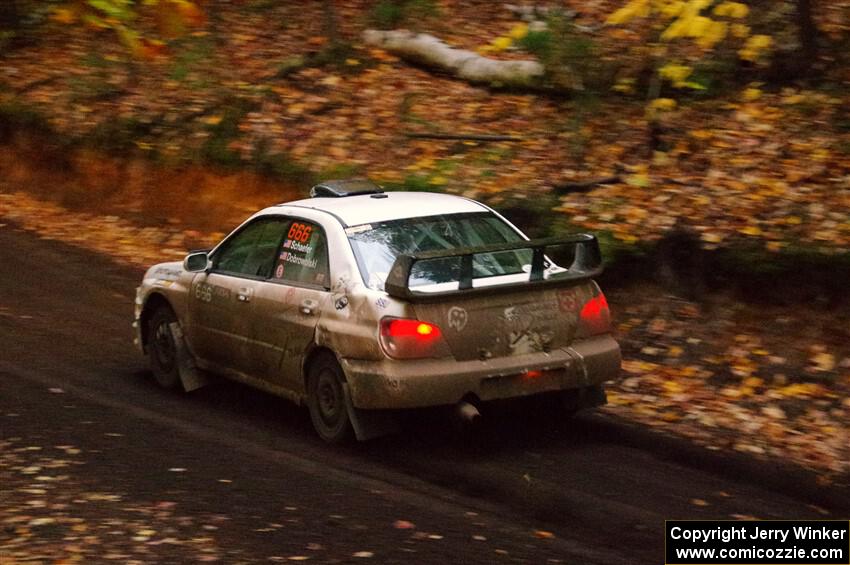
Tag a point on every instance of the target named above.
point(342, 188)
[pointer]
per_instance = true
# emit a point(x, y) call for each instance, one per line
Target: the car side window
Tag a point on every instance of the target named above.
point(303, 256)
point(251, 252)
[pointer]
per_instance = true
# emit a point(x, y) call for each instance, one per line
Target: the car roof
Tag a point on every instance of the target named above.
point(374, 208)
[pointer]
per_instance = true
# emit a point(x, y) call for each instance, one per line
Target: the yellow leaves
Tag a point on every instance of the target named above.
point(751, 94)
point(822, 154)
point(624, 85)
point(751, 230)
point(501, 43)
point(672, 9)
point(797, 390)
point(639, 178)
point(706, 32)
point(701, 134)
point(424, 163)
point(735, 10)
point(636, 367)
point(504, 42)
point(213, 120)
point(756, 48)
point(632, 10)
point(519, 31)
point(714, 34)
point(672, 387)
point(677, 74)
point(823, 362)
point(697, 26)
point(663, 105)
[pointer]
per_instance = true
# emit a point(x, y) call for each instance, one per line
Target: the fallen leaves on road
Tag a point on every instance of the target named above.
point(50, 515)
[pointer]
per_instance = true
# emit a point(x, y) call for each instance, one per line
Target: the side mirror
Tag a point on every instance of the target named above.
point(196, 261)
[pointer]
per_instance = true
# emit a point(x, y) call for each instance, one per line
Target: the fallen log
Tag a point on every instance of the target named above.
point(428, 50)
point(584, 186)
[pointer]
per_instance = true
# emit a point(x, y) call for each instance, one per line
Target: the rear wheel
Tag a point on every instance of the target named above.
point(162, 348)
point(326, 401)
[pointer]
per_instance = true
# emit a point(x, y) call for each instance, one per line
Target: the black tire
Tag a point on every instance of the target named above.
point(162, 348)
point(326, 401)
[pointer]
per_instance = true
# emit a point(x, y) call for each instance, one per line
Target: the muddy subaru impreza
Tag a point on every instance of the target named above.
point(359, 302)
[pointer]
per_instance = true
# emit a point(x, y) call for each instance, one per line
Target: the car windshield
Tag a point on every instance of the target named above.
point(376, 247)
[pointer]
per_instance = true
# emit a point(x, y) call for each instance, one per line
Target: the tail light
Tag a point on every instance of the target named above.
point(404, 338)
point(595, 317)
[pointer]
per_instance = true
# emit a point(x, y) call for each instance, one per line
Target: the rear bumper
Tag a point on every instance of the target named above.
point(390, 384)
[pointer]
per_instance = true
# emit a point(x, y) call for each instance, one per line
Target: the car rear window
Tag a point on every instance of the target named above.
point(376, 247)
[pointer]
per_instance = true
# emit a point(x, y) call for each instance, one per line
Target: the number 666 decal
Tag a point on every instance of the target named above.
point(300, 232)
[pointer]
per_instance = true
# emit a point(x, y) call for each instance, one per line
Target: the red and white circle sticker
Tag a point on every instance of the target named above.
point(567, 300)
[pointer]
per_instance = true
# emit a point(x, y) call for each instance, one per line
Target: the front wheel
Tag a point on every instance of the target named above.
point(162, 348)
point(326, 401)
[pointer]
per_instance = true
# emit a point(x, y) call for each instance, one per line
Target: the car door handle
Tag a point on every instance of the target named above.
point(244, 294)
point(308, 306)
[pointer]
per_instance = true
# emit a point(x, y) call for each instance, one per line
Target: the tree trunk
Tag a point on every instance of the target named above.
point(10, 18)
point(808, 34)
point(329, 26)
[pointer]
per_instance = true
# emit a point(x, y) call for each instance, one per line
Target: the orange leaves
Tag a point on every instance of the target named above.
point(64, 15)
point(121, 16)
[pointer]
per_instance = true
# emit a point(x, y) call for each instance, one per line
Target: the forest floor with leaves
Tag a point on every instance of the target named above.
point(769, 381)
point(756, 167)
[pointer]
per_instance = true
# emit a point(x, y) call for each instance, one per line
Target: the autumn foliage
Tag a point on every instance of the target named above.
point(655, 117)
point(125, 18)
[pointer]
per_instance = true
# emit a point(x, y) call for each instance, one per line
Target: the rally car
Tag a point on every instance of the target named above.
point(359, 302)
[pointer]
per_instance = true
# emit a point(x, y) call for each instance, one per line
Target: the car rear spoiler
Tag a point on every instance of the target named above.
point(587, 263)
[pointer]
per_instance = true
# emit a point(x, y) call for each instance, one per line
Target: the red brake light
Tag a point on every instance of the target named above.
point(534, 374)
point(398, 327)
point(595, 316)
point(404, 338)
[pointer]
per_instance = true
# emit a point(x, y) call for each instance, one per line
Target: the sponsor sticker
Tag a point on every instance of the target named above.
point(358, 229)
point(457, 318)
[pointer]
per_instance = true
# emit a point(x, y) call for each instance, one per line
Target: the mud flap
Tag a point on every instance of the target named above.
point(190, 376)
point(369, 424)
point(588, 395)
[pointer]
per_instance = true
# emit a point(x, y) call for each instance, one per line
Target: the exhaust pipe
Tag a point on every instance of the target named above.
point(467, 412)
